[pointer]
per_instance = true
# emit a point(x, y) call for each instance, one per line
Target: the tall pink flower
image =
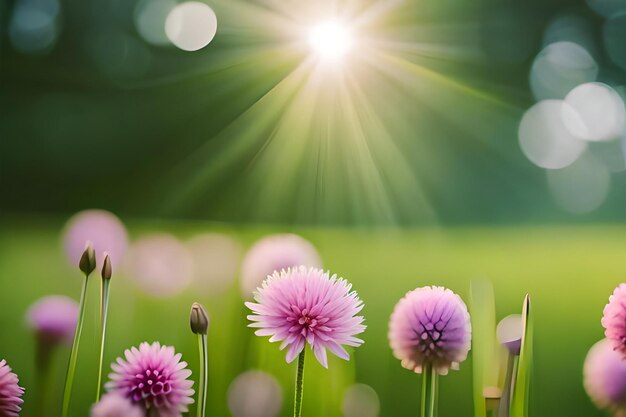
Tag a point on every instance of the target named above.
point(614, 319)
point(301, 305)
point(10, 392)
point(53, 318)
point(430, 326)
point(154, 377)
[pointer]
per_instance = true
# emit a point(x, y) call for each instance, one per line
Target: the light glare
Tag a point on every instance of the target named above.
point(330, 39)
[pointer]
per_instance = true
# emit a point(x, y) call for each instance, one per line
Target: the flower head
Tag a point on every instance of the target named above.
point(116, 405)
point(53, 318)
point(614, 319)
point(604, 377)
point(303, 305)
point(10, 392)
point(275, 253)
point(430, 326)
point(154, 377)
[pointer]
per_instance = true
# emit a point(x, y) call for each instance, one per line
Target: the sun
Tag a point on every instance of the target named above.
point(330, 39)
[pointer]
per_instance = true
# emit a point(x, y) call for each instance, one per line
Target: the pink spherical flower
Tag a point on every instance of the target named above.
point(604, 377)
point(153, 377)
point(301, 305)
point(614, 319)
point(103, 229)
point(53, 318)
point(116, 405)
point(10, 392)
point(430, 326)
point(275, 253)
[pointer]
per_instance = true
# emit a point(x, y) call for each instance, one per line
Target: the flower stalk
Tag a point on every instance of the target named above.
point(87, 264)
point(297, 405)
point(199, 323)
point(429, 391)
point(104, 311)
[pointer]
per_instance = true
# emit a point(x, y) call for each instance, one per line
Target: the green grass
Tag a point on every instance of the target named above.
point(568, 271)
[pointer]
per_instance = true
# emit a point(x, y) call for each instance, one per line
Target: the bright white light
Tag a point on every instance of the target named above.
point(191, 25)
point(330, 39)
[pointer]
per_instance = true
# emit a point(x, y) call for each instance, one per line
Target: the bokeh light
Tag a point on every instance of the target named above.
point(34, 27)
point(191, 25)
point(573, 28)
point(560, 67)
point(273, 253)
point(360, 400)
point(599, 113)
point(149, 18)
point(581, 187)
point(216, 259)
point(103, 229)
point(255, 394)
point(545, 139)
point(160, 265)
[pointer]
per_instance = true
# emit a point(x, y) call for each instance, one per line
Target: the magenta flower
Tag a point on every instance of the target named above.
point(604, 377)
point(614, 319)
point(10, 392)
point(430, 326)
point(116, 405)
point(303, 305)
point(153, 377)
point(53, 318)
point(103, 229)
point(275, 253)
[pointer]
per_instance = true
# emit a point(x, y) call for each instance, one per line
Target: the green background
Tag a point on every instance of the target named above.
point(569, 272)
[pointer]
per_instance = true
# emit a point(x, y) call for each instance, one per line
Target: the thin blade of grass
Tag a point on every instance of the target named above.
point(519, 403)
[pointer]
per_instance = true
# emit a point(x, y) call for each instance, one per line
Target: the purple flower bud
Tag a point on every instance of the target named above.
point(198, 319)
point(509, 333)
point(604, 377)
point(116, 405)
point(87, 262)
point(430, 326)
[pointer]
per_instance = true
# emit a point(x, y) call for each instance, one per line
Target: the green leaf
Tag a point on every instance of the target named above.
point(485, 369)
point(519, 404)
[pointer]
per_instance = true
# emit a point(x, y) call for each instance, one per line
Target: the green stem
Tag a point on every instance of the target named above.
point(44, 380)
point(204, 374)
point(429, 392)
point(71, 369)
point(104, 312)
point(297, 405)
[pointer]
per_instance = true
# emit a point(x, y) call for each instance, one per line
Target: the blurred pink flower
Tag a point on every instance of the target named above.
point(604, 377)
point(116, 405)
point(275, 253)
point(430, 325)
point(154, 377)
point(10, 392)
point(53, 318)
point(614, 319)
point(302, 305)
point(103, 229)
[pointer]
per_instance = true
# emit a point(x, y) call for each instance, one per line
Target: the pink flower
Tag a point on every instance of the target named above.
point(116, 405)
point(604, 377)
point(302, 305)
point(275, 253)
point(10, 392)
point(430, 326)
point(154, 377)
point(53, 318)
point(614, 319)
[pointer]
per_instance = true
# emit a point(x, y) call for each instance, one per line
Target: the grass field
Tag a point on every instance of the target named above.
point(569, 272)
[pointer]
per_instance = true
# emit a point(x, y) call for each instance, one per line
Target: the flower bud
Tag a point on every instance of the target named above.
point(87, 261)
point(106, 267)
point(198, 319)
